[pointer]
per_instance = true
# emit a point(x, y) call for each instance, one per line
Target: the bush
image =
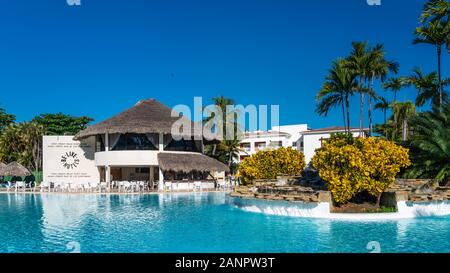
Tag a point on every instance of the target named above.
point(267, 164)
point(350, 166)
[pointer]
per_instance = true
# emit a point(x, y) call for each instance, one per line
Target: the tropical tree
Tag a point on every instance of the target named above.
point(403, 111)
point(62, 124)
point(22, 142)
point(358, 62)
point(437, 11)
point(430, 145)
point(434, 33)
point(428, 87)
point(383, 104)
point(5, 119)
point(227, 150)
point(395, 85)
point(378, 68)
point(339, 85)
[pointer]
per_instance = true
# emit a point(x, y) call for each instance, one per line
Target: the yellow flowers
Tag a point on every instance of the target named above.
point(267, 164)
point(350, 166)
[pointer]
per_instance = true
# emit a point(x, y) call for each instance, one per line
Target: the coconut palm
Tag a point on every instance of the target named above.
point(402, 112)
point(430, 145)
point(383, 104)
point(427, 86)
point(434, 33)
point(358, 62)
point(336, 91)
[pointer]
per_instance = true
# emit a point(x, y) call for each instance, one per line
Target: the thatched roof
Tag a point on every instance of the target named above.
point(180, 162)
point(14, 169)
point(2, 165)
point(146, 116)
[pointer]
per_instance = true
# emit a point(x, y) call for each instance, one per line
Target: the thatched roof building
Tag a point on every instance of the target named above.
point(146, 116)
point(14, 169)
point(189, 162)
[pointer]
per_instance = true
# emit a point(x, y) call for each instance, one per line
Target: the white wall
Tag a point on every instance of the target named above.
point(311, 142)
point(79, 166)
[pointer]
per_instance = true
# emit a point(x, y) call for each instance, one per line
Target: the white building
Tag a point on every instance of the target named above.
point(279, 136)
point(299, 137)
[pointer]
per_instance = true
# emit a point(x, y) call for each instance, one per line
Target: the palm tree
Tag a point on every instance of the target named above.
point(338, 87)
point(430, 145)
point(402, 112)
point(437, 11)
point(435, 33)
point(383, 104)
point(358, 62)
point(378, 68)
point(395, 85)
point(428, 87)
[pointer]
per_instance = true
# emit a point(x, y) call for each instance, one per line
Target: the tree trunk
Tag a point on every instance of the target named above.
point(385, 124)
point(439, 76)
point(370, 106)
point(361, 107)
point(348, 112)
point(343, 114)
point(405, 129)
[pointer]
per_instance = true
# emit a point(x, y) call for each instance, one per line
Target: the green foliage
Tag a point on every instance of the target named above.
point(22, 142)
point(430, 145)
point(350, 166)
point(61, 124)
point(5, 119)
point(267, 164)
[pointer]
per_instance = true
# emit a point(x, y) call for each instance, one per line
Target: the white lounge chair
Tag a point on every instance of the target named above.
point(168, 186)
point(198, 185)
point(21, 184)
point(44, 185)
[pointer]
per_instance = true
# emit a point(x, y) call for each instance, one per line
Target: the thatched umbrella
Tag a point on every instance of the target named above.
point(14, 169)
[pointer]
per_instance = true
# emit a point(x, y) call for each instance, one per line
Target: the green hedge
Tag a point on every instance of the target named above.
point(35, 176)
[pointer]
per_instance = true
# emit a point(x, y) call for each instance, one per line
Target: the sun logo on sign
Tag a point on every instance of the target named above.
point(70, 160)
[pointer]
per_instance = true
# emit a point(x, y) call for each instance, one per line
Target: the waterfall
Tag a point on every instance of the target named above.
point(283, 208)
point(322, 209)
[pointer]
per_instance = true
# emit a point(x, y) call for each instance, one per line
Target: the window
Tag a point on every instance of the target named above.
point(260, 146)
point(99, 145)
point(246, 146)
point(133, 142)
point(294, 144)
point(182, 145)
point(142, 170)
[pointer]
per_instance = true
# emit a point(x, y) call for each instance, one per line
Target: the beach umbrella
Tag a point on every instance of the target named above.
point(14, 169)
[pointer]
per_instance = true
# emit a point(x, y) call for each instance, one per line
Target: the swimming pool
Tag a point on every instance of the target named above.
point(195, 222)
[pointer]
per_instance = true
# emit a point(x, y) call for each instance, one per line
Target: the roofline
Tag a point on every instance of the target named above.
point(311, 132)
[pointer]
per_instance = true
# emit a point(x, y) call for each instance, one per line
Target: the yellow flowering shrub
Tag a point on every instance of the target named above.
point(267, 164)
point(352, 165)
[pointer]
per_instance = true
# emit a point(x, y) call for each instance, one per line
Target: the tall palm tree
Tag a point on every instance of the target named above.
point(395, 85)
point(430, 145)
point(427, 86)
point(403, 111)
point(434, 33)
point(337, 89)
point(437, 11)
point(378, 68)
point(383, 104)
point(358, 62)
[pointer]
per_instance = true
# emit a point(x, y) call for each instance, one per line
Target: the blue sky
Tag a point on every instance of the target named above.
point(102, 57)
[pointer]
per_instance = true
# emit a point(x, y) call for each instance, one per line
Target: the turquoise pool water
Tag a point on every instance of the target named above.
point(194, 222)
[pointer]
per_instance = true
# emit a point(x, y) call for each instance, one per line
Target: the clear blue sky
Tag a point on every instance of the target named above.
point(103, 56)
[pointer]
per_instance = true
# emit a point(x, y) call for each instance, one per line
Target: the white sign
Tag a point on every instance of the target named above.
point(68, 160)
